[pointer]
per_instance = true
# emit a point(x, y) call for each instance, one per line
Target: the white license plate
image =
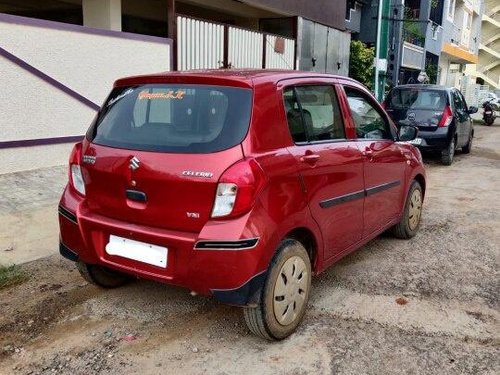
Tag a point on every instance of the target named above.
point(136, 250)
point(416, 141)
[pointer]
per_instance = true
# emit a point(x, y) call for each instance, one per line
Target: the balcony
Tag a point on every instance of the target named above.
point(412, 56)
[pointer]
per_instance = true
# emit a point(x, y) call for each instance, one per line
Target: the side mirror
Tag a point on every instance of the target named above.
point(407, 133)
point(472, 110)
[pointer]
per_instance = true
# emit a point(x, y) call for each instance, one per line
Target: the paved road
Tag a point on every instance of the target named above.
point(445, 280)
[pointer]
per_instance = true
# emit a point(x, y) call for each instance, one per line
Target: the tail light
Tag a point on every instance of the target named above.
point(446, 118)
point(238, 188)
point(383, 105)
point(75, 171)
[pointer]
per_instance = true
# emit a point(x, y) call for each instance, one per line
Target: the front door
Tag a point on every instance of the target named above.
point(384, 162)
point(330, 166)
point(461, 118)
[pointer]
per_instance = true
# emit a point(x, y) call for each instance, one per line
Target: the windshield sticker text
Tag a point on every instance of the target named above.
point(114, 100)
point(171, 94)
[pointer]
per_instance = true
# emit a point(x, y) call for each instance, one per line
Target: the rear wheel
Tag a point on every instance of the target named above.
point(285, 293)
point(489, 120)
point(408, 226)
point(448, 153)
point(467, 148)
point(102, 276)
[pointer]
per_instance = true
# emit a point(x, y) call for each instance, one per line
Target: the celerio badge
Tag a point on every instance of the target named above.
point(202, 174)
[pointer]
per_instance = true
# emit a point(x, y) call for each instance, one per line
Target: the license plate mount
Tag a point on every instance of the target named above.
point(136, 250)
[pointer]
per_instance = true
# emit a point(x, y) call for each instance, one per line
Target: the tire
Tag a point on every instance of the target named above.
point(410, 221)
point(468, 147)
point(284, 299)
point(102, 276)
point(448, 153)
point(489, 121)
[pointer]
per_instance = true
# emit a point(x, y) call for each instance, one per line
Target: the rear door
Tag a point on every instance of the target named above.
point(157, 151)
point(384, 161)
point(330, 165)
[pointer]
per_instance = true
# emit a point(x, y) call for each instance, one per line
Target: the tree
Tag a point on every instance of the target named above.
point(361, 63)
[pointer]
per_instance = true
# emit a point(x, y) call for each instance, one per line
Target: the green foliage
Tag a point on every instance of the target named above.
point(11, 275)
point(361, 63)
point(431, 70)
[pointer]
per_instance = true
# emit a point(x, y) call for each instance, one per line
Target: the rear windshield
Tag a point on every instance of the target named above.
point(173, 118)
point(415, 98)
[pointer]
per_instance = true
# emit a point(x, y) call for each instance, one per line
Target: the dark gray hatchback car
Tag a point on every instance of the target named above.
point(440, 113)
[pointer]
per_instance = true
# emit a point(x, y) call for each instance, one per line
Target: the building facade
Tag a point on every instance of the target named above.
point(438, 37)
point(487, 69)
point(59, 58)
point(461, 39)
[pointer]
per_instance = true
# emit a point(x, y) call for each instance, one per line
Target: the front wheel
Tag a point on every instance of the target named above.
point(410, 221)
point(285, 294)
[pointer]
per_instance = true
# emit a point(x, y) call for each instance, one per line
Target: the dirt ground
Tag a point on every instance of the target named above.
point(445, 280)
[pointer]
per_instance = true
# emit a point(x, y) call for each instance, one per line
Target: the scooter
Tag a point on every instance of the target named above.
point(489, 113)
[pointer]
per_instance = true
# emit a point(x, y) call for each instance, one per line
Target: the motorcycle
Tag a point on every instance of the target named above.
point(489, 111)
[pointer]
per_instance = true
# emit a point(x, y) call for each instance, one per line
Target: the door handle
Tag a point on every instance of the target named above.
point(368, 153)
point(310, 158)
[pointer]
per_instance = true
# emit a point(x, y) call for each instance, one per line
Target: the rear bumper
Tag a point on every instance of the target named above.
point(436, 140)
point(232, 275)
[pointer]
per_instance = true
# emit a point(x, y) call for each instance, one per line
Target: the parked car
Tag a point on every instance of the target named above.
point(440, 113)
point(238, 185)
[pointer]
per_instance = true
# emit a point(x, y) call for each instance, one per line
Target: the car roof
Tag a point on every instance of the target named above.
point(237, 77)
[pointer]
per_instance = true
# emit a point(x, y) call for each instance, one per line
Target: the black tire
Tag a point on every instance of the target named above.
point(489, 121)
point(262, 320)
point(102, 276)
point(468, 147)
point(448, 153)
point(408, 226)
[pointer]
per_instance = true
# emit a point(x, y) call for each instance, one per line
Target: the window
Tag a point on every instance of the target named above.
point(313, 114)
point(458, 102)
point(173, 118)
point(369, 123)
point(450, 13)
point(416, 98)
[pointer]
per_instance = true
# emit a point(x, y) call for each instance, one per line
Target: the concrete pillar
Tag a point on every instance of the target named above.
point(102, 14)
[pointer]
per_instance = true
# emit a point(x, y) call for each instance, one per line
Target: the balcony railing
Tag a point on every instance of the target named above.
point(413, 38)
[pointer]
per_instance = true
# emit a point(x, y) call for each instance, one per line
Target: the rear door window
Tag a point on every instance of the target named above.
point(173, 118)
point(313, 114)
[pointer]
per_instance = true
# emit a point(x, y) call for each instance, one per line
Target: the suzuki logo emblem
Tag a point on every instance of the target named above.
point(134, 163)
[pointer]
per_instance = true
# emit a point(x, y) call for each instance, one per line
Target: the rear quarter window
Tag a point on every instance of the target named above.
point(173, 118)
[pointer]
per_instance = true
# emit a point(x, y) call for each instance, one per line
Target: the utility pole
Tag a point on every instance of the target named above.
point(381, 48)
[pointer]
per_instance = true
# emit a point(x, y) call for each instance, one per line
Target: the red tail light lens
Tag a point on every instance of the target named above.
point(383, 105)
point(238, 188)
point(446, 118)
point(75, 171)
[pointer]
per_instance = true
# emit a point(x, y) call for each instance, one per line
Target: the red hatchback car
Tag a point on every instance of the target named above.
point(237, 184)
